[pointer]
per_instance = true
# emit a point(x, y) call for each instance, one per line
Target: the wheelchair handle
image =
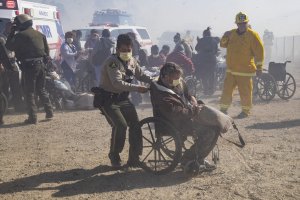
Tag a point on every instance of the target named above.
point(288, 61)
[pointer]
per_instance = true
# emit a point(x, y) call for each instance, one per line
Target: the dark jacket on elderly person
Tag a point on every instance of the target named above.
point(173, 105)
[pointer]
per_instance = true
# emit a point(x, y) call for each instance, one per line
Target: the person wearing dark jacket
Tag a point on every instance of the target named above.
point(178, 57)
point(31, 50)
point(173, 103)
point(76, 42)
point(154, 59)
point(206, 61)
point(102, 50)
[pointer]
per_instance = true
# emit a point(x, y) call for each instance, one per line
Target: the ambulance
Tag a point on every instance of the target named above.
point(46, 19)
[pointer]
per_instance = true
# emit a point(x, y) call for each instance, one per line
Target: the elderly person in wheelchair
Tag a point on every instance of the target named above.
point(172, 102)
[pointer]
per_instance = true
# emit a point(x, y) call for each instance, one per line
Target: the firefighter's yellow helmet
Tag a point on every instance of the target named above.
point(241, 18)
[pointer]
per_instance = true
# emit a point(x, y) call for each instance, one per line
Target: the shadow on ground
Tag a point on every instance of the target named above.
point(275, 125)
point(89, 181)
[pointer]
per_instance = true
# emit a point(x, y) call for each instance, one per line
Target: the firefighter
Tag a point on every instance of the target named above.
point(244, 48)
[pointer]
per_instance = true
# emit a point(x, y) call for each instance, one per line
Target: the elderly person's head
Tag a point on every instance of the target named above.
point(170, 74)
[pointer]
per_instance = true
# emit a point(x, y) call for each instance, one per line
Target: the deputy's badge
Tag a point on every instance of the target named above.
point(113, 65)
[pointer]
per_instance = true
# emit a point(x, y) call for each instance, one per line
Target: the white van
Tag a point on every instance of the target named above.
point(141, 33)
point(45, 19)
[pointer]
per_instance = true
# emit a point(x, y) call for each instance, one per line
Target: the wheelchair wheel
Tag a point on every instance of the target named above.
point(194, 86)
point(3, 103)
point(161, 150)
point(286, 89)
point(266, 87)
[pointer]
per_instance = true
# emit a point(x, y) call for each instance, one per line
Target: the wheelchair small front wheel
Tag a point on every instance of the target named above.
point(266, 87)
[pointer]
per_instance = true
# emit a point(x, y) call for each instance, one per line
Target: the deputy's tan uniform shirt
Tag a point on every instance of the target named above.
point(113, 75)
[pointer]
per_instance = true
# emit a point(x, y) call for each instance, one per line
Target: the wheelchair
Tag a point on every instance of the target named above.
point(164, 146)
point(275, 81)
point(194, 85)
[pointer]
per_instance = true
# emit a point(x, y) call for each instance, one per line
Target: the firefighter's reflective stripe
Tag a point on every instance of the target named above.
point(240, 73)
point(259, 63)
point(224, 106)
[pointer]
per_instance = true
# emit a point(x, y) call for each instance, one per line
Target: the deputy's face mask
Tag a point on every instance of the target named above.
point(70, 40)
point(126, 56)
point(176, 82)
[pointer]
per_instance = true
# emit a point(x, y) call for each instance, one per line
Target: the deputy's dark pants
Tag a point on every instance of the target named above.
point(120, 115)
point(34, 84)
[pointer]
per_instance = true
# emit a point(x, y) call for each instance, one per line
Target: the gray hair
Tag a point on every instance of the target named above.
point(170, 68)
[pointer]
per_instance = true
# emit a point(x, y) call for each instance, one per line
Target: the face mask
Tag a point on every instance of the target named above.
point(70, 40)
point(126, 56)
point(176, 82)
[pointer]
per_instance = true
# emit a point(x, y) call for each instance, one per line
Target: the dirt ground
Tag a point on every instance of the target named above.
point(67, 158)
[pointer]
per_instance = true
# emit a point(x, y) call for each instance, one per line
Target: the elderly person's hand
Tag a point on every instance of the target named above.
point(193, 101)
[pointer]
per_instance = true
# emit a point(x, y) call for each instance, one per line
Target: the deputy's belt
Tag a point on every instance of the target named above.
point(34, 59)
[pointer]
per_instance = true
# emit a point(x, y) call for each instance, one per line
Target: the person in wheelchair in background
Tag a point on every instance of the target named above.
point(172, 102)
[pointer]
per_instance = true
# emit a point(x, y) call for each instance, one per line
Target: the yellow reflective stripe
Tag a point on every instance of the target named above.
point(243, 74)
point(246, 107)
point(240, 73)
point(224, 106)
point(259, 63)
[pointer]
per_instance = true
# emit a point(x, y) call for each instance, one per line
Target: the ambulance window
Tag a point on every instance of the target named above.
point(143, 33)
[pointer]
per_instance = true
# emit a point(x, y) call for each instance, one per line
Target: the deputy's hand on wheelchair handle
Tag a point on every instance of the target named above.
point(142, 89)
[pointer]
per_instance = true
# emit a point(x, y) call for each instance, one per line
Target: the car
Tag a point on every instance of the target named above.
point(141, 33)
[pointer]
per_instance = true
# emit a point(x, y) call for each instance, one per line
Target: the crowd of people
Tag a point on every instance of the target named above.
point(117, 65)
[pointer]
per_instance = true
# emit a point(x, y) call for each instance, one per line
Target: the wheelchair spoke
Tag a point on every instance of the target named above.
point(147, 155)
point(169, 140)
point(153, 140)
point(287, 92)
point(288, 80)
point(147, 146)
point(155, 161)
point(147, 140)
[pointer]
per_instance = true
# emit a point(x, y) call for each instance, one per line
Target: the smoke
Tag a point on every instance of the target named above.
point(180, 15)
